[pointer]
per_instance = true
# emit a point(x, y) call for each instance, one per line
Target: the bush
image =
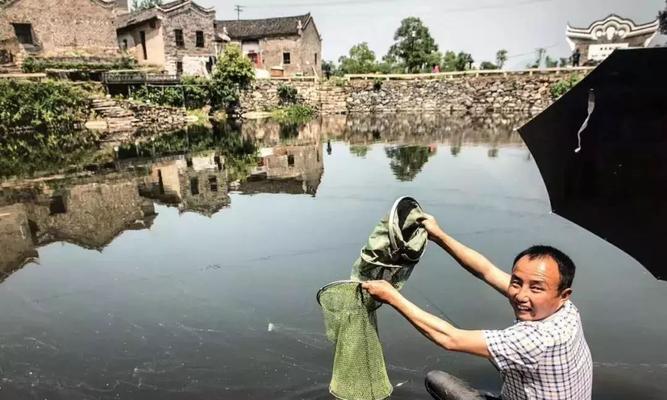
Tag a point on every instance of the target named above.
point(32, 64)
point(38, 122)
point(40, 105)
point(377, 84)
point(296, 114)
point(564, 85)
point(287, 94)
point(194, 94)
point(233, 72)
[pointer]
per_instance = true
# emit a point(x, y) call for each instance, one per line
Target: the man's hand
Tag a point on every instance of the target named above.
point(381, 291)
point(431, 225)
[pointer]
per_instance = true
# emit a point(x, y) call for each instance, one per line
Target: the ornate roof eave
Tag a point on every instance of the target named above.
point(175, 5)
point(634, 29)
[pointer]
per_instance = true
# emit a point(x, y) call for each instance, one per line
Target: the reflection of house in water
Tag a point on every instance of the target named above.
point(191, 183)
point(294, 169)
point(16, 244)
point(88, 214)
point(290, 163)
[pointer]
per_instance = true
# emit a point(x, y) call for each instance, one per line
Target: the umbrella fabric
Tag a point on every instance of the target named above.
point(615, 185)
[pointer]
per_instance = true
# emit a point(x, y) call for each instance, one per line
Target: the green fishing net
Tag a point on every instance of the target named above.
point(359, 371)
point(393, 249)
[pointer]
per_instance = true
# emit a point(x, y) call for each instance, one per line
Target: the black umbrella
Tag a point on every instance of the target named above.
point(616, 184)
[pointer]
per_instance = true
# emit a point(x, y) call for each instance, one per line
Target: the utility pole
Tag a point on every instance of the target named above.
point(239, 10)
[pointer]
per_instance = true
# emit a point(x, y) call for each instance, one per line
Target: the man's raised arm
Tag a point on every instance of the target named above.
point(469, 259)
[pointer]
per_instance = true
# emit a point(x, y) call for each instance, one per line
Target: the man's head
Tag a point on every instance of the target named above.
point(541, 282)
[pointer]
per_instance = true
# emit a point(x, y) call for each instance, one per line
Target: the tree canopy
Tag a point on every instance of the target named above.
point(501, 57)
point(413, 46)
point(662, 15)
point(361, 60)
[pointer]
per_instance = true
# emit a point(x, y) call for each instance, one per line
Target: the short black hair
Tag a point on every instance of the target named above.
point(566, 267)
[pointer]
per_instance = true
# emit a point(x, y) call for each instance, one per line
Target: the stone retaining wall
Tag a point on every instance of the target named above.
point(511, 93)
point(124, 115)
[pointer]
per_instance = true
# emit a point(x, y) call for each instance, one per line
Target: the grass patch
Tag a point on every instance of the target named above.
point(296, 114)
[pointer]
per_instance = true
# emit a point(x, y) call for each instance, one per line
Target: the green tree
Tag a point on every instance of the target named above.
point(233, 72)
point(145, 4)
point(464, 61)
point(564, 62)
point(662, 15)
point(361, 60)
point(390, 65)
point(413, 46)
point(550, 62)
point(448, 61)
point(488, 65)
point(407, 161)
point(501, 58)
point(329, 69)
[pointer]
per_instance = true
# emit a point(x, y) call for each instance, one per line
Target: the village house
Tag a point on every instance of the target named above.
point(602, 37)
point(58, 29)
point(177, 37)
point(284, 46)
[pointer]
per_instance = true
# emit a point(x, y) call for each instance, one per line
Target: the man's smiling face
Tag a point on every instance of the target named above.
point(533, 291)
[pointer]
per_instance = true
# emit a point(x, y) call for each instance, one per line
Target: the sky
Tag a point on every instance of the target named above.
point(479, 27)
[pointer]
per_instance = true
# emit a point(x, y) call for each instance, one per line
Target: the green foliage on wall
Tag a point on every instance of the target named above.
point(564, 85)
point(32, 65)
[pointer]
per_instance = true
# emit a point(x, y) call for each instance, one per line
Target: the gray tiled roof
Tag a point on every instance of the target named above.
point(259, 28)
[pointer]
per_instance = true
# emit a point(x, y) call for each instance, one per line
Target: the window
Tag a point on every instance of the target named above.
point(125, 44)
point(179, 67)
point(23, 33)
point(286, 58)
point(290, 160)
point(194, 186)
point(57, 205)
point(316, 59)
point(200, 38)
point(142, 35)
point(180, 41)
point(213, 183)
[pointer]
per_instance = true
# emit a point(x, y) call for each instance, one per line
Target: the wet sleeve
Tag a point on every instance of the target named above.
point(519, 347)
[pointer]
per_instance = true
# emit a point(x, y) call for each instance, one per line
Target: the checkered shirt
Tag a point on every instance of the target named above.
point(546, 359)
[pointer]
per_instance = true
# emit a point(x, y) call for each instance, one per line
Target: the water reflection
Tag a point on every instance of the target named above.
point(195, 169)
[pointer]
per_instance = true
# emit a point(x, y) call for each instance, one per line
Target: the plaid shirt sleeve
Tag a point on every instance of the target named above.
point(519, 347)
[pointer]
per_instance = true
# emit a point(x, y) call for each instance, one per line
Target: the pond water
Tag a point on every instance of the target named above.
point(188, 268)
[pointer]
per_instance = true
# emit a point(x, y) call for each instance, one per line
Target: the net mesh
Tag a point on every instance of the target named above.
point(359, 371)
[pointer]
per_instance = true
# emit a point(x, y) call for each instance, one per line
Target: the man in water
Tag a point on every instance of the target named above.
point(544, 355)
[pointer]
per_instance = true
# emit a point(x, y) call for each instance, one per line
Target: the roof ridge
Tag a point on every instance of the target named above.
point(264, 19)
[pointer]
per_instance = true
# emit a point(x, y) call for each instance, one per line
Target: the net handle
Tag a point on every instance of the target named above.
point(332, 284)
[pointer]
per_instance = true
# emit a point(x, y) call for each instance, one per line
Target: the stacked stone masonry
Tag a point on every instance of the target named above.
point(514, 93)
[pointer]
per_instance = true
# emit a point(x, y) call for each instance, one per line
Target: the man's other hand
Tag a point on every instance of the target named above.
point(381, 291)
point(431, 225)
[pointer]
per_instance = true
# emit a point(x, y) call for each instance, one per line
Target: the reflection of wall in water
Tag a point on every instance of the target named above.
point(271, 133)
point(16, 243)
point(422, 128)
point(192, 183)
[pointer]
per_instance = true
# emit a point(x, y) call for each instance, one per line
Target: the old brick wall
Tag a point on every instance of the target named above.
point(302, 51)
point(64, 27)
point(310, 49)
point(194, 59)
point(272, 49)
point(155, 45)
